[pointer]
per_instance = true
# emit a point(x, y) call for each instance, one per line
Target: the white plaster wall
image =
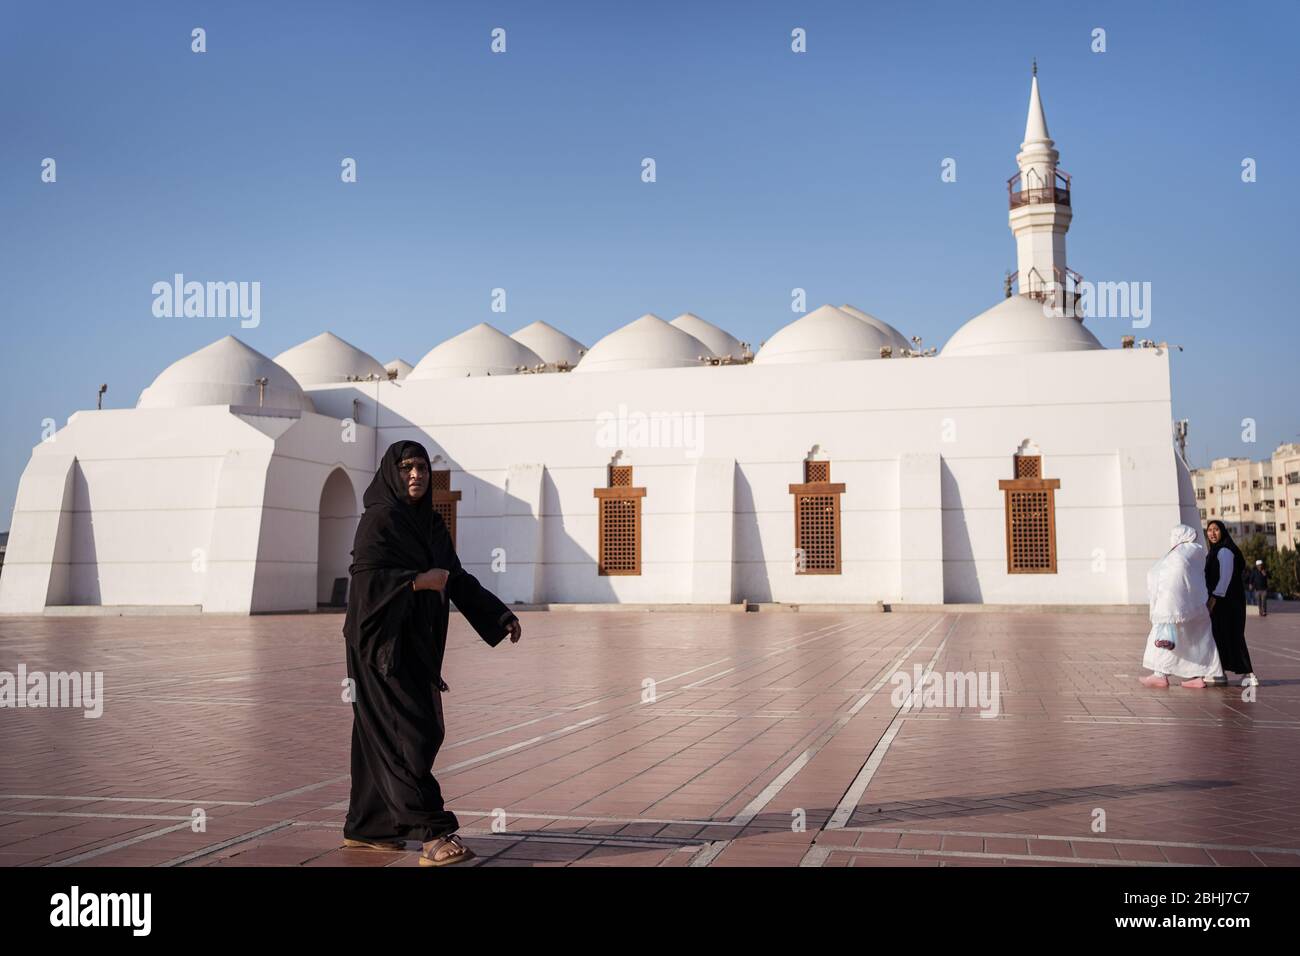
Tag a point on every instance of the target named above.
point(114, 508)
point(188, 506)
point(1096, 416)
point(37, 569)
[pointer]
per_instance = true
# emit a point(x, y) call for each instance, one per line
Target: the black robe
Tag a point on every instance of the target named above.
point(1229, 615)
point(396, 638)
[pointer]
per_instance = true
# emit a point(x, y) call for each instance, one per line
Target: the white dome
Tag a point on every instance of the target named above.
point(224, 373)
point(327, 358)
point(482, 350)
point(550, 343)
point(896, 338)
point(648, 342)
point(720, 343)
point(401, 366)
point(1019, 326)
point(826, 335)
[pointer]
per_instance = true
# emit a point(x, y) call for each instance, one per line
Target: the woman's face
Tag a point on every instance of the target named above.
point(1212, 532)
point(415, 473)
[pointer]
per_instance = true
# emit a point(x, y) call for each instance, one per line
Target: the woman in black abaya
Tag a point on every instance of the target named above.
point(1227, 603)
point(404, 571)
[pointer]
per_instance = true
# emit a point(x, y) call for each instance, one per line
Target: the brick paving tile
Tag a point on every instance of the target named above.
point(766, 737)
point(1183, 854)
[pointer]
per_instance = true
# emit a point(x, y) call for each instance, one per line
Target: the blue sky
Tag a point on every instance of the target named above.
point(522, 171)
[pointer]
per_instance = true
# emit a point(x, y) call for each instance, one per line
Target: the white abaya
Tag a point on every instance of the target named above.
point(1176, 590)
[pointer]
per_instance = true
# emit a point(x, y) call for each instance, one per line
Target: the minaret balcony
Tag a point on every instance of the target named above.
point(1022, 193)
point(1064, 290)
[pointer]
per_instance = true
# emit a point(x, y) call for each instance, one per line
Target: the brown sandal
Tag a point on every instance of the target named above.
point(392, 846)
point(429, 855)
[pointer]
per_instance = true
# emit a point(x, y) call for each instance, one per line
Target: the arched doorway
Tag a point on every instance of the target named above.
point(338, 525)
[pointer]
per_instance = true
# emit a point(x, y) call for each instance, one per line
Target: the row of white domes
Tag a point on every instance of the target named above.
point(226, 372)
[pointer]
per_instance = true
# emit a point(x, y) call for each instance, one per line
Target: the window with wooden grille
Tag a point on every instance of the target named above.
point(1031, 518)
point(620, 523)
point(444, 500)
point(817, 520)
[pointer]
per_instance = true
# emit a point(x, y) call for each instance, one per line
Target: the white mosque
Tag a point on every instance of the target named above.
point(1025, 463)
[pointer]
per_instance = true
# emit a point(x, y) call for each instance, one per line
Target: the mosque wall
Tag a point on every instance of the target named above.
point(920, 445)
point(222, 507)
point(177, 507)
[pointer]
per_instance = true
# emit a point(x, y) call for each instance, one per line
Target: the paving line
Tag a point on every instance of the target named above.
point(755, 806)
point(620, 693)
point(621, 711)
point(464, 742)
point(526, 815)
point(816, 856)
point(93, 816)
point(1019, 857)
point(849, 802)
point(94, 799)
point(1074, 839)
point(298, 790)
point(709, 853)
point(120, 844)
point(233, 841)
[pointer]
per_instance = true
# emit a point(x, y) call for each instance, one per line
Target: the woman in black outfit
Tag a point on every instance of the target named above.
point(1227, 603)
point(403, 572)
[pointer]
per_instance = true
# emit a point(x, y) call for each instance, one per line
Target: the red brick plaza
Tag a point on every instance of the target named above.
point(556, 754)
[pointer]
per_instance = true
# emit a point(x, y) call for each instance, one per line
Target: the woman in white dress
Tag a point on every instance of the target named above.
point(1181, 641)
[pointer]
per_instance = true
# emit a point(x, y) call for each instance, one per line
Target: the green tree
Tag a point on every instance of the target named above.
point(1282, 567)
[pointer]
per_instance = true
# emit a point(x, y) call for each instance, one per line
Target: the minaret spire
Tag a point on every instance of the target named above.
point(1040, 205)
point(1036, 123)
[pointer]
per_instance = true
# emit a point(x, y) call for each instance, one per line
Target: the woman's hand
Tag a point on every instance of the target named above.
point(435, 579)
point(514, 630)
point(1210, 603)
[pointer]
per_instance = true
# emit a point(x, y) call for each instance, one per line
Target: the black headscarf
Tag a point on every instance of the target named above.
point(403, 536)
point(1225, 541)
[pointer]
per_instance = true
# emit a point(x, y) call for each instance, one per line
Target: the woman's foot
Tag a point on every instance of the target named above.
point(1196, 683)
point(445, 851)
point(1154, 680)
point(1250, 680)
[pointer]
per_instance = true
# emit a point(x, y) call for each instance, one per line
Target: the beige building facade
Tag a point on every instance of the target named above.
point(1253, 497)
point(1286, 494)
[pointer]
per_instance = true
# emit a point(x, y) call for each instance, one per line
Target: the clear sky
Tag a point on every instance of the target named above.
point(522, 171)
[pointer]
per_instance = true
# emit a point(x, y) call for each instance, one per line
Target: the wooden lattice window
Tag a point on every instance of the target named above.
point(444, 499)
point(817, 520)
point(1031, 518)
point(1029, 466)
point(620, 523)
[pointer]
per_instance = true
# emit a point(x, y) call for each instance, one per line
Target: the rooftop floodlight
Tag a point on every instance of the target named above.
point(99, 399)
point(261, 391)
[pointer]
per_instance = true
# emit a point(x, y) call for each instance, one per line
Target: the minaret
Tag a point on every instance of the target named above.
point(1040, 206)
